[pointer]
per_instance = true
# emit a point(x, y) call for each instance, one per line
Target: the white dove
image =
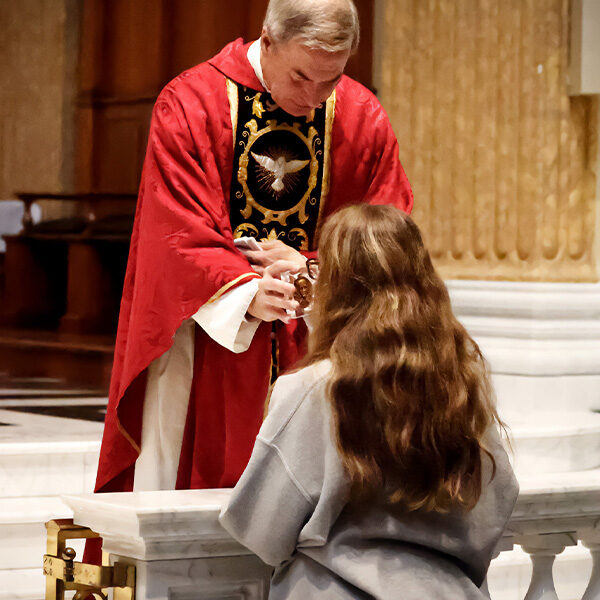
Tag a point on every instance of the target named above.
point(279, 168)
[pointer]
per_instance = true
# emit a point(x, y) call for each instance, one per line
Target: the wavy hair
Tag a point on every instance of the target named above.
point(409, 390)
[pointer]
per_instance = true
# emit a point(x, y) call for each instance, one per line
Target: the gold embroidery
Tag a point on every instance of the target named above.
point(232, 94)
point(271, 106)
point(245, 229)
point(329, 118)
point(311, 141)
point(220, 292)
point(281, 171)
point(299, 233)
point(257, 107)
point(272, 235)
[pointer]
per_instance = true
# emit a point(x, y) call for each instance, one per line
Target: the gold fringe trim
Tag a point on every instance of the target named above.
point(126, 435)
point(329, 118)
point(229, 285)
point(232, 94)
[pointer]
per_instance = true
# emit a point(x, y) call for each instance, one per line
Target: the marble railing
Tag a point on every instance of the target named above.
point(552, 513)
point(181, 552)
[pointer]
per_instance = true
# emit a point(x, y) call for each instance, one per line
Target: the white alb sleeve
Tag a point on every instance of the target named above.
point(224, 320)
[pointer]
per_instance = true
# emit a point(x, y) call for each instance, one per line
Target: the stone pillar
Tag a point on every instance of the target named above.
point(502, 160)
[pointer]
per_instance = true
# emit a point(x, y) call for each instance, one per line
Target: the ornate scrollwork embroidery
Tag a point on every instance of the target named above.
point(299, 235)
point(281, 170)
point(245, 229)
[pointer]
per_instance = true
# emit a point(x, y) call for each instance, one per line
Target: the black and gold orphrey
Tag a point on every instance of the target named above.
point(280, 173)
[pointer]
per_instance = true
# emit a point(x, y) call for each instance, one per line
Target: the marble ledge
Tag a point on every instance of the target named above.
point(184, 523)
point(525, 300)
point(558, 503)
point(530, 357)
point(162, 525)
point(49, 447)
point(532, 329)
point(33, 510)
point(554, 441)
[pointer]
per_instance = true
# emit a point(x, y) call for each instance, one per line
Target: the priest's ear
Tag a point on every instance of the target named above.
point(266, 41)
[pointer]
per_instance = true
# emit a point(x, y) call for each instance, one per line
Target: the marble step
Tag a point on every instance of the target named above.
point(23, 544)
point(554, 442)
point(22, 530)
point(49, 468)
point(22, 584)
point(43, 455)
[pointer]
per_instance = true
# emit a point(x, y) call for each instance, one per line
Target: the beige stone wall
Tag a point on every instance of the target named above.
point(502, 161)
point(38, 58)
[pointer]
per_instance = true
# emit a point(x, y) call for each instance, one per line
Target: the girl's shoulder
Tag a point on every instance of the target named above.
point(297, 396)
point(305, 378)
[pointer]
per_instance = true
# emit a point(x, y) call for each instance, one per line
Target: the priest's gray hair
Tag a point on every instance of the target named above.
point(330, 25)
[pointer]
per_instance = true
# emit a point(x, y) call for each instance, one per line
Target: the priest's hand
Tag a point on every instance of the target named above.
point(271, 252)
point(274, 296)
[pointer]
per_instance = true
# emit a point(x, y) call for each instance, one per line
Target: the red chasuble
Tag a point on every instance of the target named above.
point(192, 202)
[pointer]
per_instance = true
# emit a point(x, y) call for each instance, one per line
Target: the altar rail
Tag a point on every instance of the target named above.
point(181, 552)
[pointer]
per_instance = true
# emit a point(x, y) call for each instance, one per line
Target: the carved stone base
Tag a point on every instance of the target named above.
point(542, 341)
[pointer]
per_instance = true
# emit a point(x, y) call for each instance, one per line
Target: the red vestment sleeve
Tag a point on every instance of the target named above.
point(182, 256)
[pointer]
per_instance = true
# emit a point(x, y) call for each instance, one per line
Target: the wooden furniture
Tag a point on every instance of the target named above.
point(63, 280)
point(67, 274)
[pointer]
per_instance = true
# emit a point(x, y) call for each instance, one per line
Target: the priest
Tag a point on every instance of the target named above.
point(264, 140)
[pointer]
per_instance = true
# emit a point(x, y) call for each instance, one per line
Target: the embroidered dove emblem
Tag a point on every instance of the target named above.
point(277, 169)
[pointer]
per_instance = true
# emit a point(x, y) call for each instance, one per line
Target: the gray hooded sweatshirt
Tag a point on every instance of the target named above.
point(291, 508)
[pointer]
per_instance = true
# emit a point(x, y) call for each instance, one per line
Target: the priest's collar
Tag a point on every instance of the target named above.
point(254, 59)
point(233, 61)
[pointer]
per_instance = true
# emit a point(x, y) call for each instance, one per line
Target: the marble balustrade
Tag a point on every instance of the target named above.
point(554, 512)
point(181, 552)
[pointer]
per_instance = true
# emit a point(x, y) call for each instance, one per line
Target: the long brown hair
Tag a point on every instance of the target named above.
point(409, 389)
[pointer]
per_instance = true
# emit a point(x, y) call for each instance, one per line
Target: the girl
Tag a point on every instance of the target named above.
point(379, 471)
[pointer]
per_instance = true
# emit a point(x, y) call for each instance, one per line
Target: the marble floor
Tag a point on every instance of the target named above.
point(49, 443)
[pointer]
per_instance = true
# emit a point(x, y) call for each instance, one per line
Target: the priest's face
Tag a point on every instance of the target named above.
point(300, 78)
